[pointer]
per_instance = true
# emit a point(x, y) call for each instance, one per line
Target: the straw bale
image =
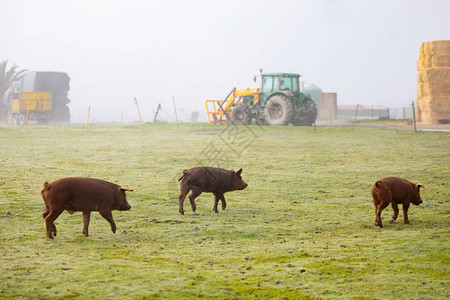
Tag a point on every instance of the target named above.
point(441, 61)
point(433, 61)
point(434, 101)
point(437, 75)
point(435, 48)
point(433, 109)
point(433, 90)
point(433, 82)
point(421, 76)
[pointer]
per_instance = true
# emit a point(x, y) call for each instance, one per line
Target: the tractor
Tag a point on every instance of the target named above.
point(279, 101)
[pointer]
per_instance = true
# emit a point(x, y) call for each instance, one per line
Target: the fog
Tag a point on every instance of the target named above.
point(191, 51)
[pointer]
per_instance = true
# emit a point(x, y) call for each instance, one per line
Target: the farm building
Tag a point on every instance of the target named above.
point(433, 83)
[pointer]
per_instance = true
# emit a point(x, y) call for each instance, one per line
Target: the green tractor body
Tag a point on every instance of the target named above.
point(280, 103)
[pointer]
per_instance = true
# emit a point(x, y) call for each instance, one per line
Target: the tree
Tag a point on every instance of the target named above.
point(7, 77)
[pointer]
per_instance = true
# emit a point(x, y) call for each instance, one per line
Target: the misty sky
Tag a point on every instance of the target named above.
point(365, 50)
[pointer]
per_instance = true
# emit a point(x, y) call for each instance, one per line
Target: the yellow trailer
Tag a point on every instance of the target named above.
point(31, 106)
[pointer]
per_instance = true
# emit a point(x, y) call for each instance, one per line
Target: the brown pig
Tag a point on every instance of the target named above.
point(210, 180)
point(394, 190)
point(85, 195)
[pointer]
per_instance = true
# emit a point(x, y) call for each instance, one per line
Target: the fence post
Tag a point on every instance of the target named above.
point(89, 112)
point(139, 112)
point(26, 121)
point(414, 117)
point(356, 112)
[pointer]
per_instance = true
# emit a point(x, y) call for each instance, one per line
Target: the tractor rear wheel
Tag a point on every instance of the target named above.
point(279, 110)
point(240, 115)
point(306, 115)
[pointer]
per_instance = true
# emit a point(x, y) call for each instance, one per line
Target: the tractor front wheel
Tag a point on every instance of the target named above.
point(240, 115)
point(279, 110)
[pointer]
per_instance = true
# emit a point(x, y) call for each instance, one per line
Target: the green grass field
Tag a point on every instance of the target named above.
point(304, 228)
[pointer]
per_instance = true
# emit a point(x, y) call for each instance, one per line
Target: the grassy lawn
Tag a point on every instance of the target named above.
point(304, 228)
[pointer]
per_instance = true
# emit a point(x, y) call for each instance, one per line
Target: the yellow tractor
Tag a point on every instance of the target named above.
point(279, 101)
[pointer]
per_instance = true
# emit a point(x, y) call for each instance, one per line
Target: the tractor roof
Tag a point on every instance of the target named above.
point(282, 74)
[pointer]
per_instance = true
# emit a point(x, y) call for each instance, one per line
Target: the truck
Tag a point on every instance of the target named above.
point(29, 106)
point(38, 96)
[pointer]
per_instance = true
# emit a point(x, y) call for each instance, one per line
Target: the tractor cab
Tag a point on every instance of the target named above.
point(286, 83)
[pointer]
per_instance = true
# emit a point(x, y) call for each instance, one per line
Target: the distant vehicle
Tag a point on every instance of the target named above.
point(31, 106)
point(38, 96)
point(279, 101)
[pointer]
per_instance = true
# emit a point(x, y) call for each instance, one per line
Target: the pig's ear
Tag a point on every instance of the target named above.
point(420, 186)
point(122, 188)
point(238, 173)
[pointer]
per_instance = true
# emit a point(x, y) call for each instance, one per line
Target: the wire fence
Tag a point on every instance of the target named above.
point(112, 116)
point(186, 115)
point(361, 112)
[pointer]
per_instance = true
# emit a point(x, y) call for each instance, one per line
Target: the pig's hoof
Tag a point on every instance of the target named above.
point(50, 236)
point(407, 222)
point(182, 212)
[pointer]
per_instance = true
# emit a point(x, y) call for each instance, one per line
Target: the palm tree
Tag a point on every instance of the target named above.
point(7, 77)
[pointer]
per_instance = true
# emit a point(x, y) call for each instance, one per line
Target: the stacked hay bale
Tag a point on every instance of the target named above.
point(433, 83)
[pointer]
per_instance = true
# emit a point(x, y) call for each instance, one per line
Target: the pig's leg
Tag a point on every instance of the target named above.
point(224, 203)
point(216, 202)
point(376, 213)
point(382, 206)
point(44, 215)
point(49, 219)
point(195, 193)
point(395, 208)
point(184, 190)
point(376, 203)
point(405, 212)
point(86, 219)
point(108, 216)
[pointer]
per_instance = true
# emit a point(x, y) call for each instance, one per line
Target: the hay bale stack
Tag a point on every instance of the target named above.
point(433, 83)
